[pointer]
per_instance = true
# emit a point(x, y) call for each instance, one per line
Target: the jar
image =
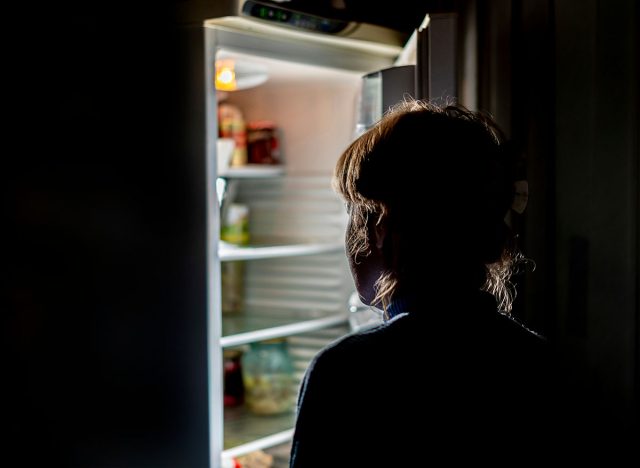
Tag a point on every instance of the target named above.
point(262, 143)
point(233, 385)
point(267, 372)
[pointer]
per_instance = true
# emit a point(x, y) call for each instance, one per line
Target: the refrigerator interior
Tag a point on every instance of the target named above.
point(314, 109)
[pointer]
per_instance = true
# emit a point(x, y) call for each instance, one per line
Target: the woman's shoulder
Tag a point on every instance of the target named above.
point(362, 346)
point(513, 332)
point(364, 338)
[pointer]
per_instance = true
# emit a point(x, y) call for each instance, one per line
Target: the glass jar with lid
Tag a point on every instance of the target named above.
point(267, 371)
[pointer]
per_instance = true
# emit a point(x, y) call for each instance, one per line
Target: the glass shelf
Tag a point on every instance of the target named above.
point(246, 328)
point(252, 171)
point(245, 432)
point(230, 252)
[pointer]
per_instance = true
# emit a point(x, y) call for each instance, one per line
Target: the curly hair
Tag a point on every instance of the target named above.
point(445, 163)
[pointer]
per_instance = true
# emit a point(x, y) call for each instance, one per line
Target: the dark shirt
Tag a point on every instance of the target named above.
point(439, 381)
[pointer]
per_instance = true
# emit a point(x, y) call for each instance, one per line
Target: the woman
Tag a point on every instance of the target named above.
point(428, 190)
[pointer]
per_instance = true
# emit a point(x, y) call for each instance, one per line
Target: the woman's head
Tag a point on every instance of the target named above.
point(427, 189)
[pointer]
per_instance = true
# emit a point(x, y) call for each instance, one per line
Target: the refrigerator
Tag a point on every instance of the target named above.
point(280, 275)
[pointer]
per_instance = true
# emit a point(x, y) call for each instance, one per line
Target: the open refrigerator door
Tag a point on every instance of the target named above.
point(278, 273)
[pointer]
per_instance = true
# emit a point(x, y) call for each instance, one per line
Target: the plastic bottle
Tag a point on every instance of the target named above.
point(231, 124)
point(235, 230)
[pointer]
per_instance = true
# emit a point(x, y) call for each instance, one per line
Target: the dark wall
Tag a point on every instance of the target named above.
point(597, 183)
point(105, 271)
point(562, 78)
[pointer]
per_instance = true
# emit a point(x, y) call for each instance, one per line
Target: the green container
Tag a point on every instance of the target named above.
point(267, 372)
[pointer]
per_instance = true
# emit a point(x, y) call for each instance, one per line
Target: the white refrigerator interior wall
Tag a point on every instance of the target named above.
point(314, 107)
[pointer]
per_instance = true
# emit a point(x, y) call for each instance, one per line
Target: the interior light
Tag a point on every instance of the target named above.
point(234, 74)
point(226, 75)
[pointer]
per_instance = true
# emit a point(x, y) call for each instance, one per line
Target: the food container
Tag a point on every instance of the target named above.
point(232, 125)
point(235, 230)
point(267, 372)
point(233, 385)
point(262, 143)
point(235, 225)
point(224, 152)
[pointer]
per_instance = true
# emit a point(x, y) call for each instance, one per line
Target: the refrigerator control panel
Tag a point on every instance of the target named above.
point(286, 17)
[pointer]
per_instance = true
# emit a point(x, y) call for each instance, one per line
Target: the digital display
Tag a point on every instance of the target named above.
point(294, 19)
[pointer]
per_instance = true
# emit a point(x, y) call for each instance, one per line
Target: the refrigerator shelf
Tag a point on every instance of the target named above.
point(230, 252)
point(253, 171)
point(245, 432)
point(244, 328)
